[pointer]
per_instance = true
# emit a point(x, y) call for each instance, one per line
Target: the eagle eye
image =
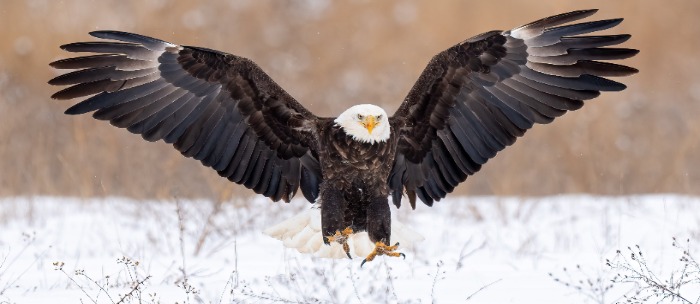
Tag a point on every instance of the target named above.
point(379, 116)
point(360, 116)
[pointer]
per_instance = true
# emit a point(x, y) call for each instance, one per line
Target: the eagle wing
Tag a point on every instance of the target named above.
point(477, 97)
point(216, 107)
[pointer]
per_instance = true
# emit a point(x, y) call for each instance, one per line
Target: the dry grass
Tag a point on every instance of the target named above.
point(330, 55)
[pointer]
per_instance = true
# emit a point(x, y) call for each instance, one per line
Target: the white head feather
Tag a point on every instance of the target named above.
point(365, 123)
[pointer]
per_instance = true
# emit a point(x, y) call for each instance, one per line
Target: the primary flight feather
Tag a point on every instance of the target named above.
point(471, 101)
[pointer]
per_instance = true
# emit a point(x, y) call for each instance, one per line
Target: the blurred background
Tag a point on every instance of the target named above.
point(332, 54)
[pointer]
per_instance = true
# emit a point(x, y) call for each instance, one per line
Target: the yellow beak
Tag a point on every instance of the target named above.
point(369, 122)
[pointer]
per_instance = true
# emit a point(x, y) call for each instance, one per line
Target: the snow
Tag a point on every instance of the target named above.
point(484, 249)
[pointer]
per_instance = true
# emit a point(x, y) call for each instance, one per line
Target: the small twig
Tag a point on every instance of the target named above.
point(391, 280)
point(274, 290)
point(463, 255)
point(4, 258)
point(435, 280)
point(136, 287)
point(59, 266)
point(354, 286)
point(228, 282)
point(29, 239)
point(265, 296)
point(186, 286)
point(636, 270)
point(181, 230)
point(235, 260)
point(482, 288)
point(206, 230)
point(81, 272)
point(593, 287)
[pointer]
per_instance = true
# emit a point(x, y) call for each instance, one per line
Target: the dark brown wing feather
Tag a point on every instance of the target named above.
point(218, 108)
point(475, 98)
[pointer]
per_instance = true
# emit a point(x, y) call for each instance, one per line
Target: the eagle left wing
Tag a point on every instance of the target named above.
point(477, 97)
point(218, 108)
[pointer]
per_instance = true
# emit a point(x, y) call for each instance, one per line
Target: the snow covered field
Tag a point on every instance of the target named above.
point(477, 250)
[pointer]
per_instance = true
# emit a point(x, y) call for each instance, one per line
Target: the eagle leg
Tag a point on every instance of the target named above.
point(382, 249)
point(341, 237)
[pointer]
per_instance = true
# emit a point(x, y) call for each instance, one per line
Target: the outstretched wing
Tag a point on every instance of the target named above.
point(477, 97)
point(218, 108)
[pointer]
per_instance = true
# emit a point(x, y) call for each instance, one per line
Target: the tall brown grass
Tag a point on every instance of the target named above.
point(330, 55)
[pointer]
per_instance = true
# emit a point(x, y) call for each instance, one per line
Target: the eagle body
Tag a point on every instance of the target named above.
point(471, 101)
point(355, 175)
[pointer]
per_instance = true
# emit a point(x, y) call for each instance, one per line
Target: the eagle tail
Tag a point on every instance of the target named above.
point(303, 233)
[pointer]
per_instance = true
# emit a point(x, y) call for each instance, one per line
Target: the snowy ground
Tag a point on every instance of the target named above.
point(477, 250)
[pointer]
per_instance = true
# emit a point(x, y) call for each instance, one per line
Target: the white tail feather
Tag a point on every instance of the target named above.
point(303, 233)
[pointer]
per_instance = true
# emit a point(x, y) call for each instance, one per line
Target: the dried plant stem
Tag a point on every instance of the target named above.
point(482, 288)
point(135, 288)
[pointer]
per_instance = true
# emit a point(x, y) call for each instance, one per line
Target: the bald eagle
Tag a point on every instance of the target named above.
point(471, 101)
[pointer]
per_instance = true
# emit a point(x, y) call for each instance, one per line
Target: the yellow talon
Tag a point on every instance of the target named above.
point(330, 238)
point(341, 237)
point(382, 249)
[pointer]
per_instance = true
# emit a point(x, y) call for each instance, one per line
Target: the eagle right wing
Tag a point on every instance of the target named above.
point(216, 107)
point(475, 98)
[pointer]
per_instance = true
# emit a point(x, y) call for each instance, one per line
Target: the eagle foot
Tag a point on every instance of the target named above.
point(341, 237)
point(382, 249)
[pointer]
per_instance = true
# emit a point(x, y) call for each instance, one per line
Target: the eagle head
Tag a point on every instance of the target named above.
point(365, 123)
